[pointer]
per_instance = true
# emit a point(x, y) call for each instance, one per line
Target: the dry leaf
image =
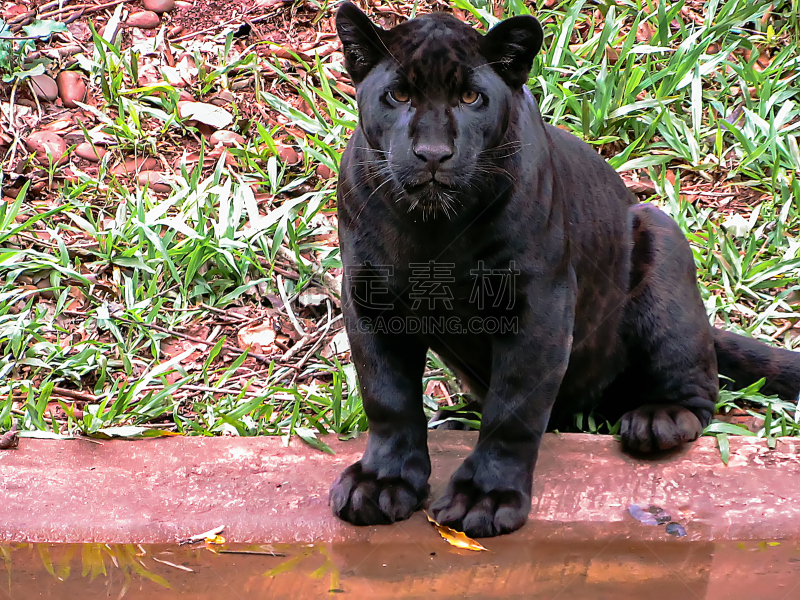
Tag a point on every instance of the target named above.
point(312, 298)
point(644, 32)
point(211, 534)
point(259, 336)
point(205, 113)
point(216, 540)
point(437, 389)
point(340, 343)
point(456, 538)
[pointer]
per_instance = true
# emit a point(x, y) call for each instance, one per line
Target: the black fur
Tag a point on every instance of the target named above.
point(604, 310)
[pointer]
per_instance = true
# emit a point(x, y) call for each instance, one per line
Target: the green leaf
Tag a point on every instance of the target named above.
point(721, 427)
point(724, 447)
point(44, 435)
point(309, 436)
point(44, 29)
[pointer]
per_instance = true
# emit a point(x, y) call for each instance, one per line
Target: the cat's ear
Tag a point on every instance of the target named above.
point(510, 47)
point(361, 41)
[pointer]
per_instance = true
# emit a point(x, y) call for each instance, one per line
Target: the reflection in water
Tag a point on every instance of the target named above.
point(405, 569)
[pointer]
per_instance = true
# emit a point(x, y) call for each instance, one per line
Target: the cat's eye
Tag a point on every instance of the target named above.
point(399, 96)
point(470, 97)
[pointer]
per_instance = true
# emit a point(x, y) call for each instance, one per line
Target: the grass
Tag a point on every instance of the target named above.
point(102, 283)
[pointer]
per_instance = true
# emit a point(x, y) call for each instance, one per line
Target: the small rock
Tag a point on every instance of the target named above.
point(155, 180)
point(46, 142)
point(175, 31)
point(324, 172)
point(676, 529)
point(219, 151)
point(145, 19)
point(14, 10)
point(226, 138)
point(135, 164)
point(71, 88)
point(182, 4)
point(288, 155)
point(184, 96)
point(88, 152)
point(45, 87)
point(159, 6)
point(70, 176)
point(38, 187)
point(240, 84)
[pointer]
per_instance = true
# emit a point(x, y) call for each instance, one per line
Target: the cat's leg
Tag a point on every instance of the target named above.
point(390, 481)
point(669, 334)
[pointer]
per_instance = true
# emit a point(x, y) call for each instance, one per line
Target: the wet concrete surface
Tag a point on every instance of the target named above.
point(742, 522)
point(618, 569)
point(163, 490)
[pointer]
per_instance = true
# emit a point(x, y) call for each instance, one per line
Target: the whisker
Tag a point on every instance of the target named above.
point(363, 206)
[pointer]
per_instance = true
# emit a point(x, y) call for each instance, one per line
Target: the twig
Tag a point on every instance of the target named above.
point(289, 312)
point(252, 552)
point(202, 536)
point(22, 413)
point(224, 313)
point(701, 193)
point(68, 9)
point(294, 349)
point(201, 31)
point(169, 564)
point(786, 327)
point(260, 357)
point(321, 337)
point(328, 279)
point(75, 395)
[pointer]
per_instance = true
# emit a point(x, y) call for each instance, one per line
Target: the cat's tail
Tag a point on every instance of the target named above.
point(745, 361)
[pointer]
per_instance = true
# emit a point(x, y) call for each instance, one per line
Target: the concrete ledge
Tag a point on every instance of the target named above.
point(161, 490)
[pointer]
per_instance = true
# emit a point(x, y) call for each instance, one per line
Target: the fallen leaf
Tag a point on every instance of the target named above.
point(258, 336)
point(132, 431)
point(737, 225)
point(209, 114)
point(644, 32)
point(312, 298)
point(216, 540)
point(456, 538)
point(200, 537)
point(339, 344)
point(43, 29)
point(437, 389)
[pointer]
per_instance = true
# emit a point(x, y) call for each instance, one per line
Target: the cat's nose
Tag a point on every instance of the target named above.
point(433, 154)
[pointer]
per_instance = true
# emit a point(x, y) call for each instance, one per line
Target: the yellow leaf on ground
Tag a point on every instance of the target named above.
point(456, 538)
point(217, 540)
